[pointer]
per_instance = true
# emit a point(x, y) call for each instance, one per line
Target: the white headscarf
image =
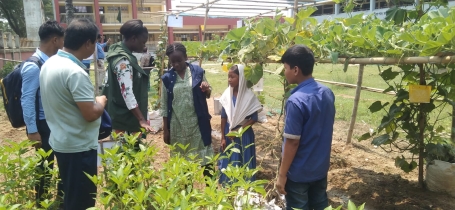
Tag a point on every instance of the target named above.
point(246, 104)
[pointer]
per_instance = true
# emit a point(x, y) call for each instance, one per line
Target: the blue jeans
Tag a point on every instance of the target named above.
point(306, 196)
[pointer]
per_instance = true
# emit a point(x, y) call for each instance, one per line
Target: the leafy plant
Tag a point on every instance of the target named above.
point(130, 180)
point(19, 175)
point(7, 68)
point(351, 206)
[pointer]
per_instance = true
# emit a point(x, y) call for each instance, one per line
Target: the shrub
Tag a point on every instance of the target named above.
point(132, 180)
point(7, 68)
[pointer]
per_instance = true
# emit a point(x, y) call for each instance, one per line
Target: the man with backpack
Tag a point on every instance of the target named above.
point(51, 40)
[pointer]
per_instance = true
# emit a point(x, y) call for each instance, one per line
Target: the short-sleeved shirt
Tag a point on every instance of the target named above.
point(310, 114)
point(64, 82)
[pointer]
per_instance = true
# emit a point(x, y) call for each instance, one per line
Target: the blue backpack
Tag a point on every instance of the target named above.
point(12, 93)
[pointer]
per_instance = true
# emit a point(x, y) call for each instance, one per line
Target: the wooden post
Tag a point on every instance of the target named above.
point(421, 123)
point(294, 14)
point(95, 58)
point(356, 103)
point(452, 130)
point(205, 29)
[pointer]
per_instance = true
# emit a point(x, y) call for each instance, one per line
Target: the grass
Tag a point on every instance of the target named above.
point(344, 97)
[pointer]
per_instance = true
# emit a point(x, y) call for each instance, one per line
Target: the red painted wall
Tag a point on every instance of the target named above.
point(187, 20)
point(24, 56)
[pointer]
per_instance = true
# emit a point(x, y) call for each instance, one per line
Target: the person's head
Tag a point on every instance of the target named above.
point(298, 63)
point(135, 35)
point(177, 56)
point(51, 35)
point(80, 36)
point(234, 76)
point(99, 38)
point(144, 50)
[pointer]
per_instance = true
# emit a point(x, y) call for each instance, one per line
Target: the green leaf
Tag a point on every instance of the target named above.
point(274, 57)
point(388, 74)
point(431, 48)
point(346, 65)
point(351, 205)
point(235, 150)
point(236, 34)
point(376, 106)
point(396, 14)
point(365, 136)
point(404, 165)
point(407, 37)
point(279, 69)
point(254, 74)
point(380, 140)
point(305, 13)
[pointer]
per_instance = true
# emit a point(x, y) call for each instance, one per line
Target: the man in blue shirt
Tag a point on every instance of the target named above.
point(87, 62)
point(100, 60)
point(310, 114)
point(51, 40)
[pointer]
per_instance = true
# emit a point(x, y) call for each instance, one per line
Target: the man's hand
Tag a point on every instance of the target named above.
point(35, 137)
point(146, 126)
point(108, 41)
point(101, 100)
point(166, 136)
point(223, 144)
point(280, 183)
point(205, 86)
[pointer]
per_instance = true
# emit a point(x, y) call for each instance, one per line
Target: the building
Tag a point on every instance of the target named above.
point(105, 13)
point(328, 9)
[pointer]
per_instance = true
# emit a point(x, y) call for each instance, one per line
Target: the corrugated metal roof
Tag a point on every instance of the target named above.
point(236, 8)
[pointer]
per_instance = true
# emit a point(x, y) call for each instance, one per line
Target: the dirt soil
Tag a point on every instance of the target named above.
point(359, 171)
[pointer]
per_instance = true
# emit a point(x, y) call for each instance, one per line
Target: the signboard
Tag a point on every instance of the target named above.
point(174, 21)
point(419, 93)
point(239, 23)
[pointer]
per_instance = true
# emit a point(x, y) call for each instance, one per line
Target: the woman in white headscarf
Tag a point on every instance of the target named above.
point(240, 109)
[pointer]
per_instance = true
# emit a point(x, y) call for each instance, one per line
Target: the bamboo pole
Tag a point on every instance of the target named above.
point(452, 130)
point(205, 29)
point(422, 123)
point(95, 58)
point(393, 61)
point(193, 8)
point(294, 14)
point(356, 103)
point(382, 60)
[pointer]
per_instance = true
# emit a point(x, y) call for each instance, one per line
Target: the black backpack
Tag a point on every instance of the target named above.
point(12, 93)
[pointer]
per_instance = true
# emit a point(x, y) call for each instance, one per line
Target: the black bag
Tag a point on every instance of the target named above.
point(105, 126)
point(12, 93)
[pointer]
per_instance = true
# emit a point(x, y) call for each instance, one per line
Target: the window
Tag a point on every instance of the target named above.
point(328, 9)
point(78, 9)
point(143, 9)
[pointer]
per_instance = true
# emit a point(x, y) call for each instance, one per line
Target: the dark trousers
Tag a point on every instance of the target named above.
point(80, 191)
point(305, 196)
point(43, 185)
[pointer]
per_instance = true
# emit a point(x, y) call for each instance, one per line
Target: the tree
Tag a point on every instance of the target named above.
point(13, 12)
point(69, 11)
